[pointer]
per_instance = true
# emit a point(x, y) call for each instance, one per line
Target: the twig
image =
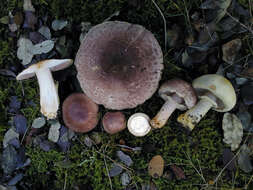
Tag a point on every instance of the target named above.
point(65, 181)
point(164, 23)
point(110, 181)
point(201, 175)
point(218, 176)
point(236, 20)
point(246, 186)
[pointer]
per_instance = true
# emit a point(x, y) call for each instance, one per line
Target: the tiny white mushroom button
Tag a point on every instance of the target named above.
point(138, 124)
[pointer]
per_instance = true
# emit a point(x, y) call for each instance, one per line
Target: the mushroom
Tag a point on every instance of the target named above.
point(49, 99)
point(80, 113)
point(177, 94)
point(214, 91)
point(119, 64)
point(114, 122)
point(138, 124)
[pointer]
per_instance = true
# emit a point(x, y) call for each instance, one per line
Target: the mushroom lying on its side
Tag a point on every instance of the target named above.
point(177, 94)
point(214, 91)
point(49, 99)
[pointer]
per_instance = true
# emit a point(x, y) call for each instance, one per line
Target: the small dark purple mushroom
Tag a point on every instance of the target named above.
point(177, 94)
point(119, 64)
point(80, 113)
point(114, 122)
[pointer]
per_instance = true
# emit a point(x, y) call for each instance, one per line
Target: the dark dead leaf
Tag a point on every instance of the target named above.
point(9, 159)
point(245, 118)
point(230, 50)
point(178, 172)
point(30, 20)
point(36, 37)
point(124, 158)
point(228, 155)
point(18, 18)
point(14, 105)
point(115, 170)
point(15, 143)
point(8, 136)
point(244, 161)
point(20, 123)
point(248, 72)
point(125, 179)
point(173, 36)
point(247, 93)
point(15, 179)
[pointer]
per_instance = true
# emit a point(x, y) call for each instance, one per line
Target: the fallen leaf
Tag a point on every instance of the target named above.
point(36, 37)
point(27, 6)
point(179, 173)
point(15, 179)
point(45, 31)
point(245, 118)
point(227, 157)
point(244, 161)
point(115, 170)
point(125, 179)
point(247, 93)
point(124, 158)
point(4, 20)
point(233, 130)
point(30, 20)
point(20, 123)
point(43, 47)
point(38, 122)
point(9, 135)
point(9, 159)
point(230, 50)
point(54, 132)
point(59, 24)
point(24, 52)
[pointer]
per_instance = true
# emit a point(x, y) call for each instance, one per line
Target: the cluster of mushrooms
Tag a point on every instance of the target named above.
point(119, 66)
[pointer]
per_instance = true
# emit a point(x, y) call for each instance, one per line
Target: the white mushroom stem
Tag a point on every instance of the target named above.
point(196, 113)
point(49, 99)
point(163, 115)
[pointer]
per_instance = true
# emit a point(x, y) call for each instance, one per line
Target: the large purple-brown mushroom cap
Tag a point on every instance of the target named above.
point(80, 113)
point(119, 64)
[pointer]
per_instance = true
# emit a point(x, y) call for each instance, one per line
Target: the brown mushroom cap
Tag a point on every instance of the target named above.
point(186, 94)
point(119, 64)
point(114, 122)
point(80, 113)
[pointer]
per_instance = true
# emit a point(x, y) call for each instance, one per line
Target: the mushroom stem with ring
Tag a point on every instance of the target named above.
point(163, 115)
point(195, 114)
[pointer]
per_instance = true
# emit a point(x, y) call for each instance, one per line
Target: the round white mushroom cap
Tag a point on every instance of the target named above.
point(119, 64)
point(220, 87)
